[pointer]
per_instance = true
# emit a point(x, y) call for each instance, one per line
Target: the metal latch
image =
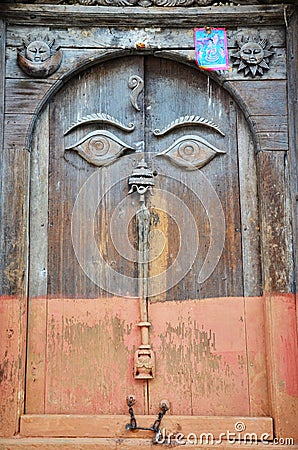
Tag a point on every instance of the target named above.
point(155, 427)
point(142, 181)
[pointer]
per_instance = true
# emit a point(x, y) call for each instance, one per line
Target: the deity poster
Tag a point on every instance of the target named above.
point(211, 48)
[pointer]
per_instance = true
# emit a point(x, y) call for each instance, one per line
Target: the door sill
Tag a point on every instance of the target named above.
point(113, 426)
point(109, 444)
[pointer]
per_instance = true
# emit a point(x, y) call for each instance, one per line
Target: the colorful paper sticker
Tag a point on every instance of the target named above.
point(211, 48)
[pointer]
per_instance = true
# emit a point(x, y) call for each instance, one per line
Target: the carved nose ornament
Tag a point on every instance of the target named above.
point(141, 178)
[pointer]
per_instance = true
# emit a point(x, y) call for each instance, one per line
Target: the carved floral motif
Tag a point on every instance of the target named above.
point(253, 56)
point(38, 57)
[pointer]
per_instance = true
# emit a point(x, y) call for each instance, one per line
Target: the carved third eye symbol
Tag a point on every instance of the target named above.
point(100, 147)
point(191, 152)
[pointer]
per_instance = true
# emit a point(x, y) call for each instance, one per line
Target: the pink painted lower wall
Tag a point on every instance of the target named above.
point(221, 356)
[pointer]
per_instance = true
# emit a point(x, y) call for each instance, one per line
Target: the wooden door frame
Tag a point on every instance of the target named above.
point(279, 301)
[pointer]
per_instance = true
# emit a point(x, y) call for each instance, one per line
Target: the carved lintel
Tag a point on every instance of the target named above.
point(38, 57)
point(179, 3)
point(147, 3)
point(161, 3)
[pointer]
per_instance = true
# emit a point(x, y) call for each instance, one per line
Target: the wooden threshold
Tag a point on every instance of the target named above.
point(110, 444)
point(113, 426)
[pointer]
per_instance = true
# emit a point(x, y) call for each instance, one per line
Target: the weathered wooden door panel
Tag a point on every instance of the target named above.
point(100, 90)
point(208, 351)
point(80, 351)
point(97, 342)
point(80, 359)
point(71, 318)
point(175, 91)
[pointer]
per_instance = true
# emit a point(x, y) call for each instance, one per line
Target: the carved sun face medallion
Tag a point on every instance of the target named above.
point(38, 51)
point(38, 57)
point(253, 56)
point(252, 53)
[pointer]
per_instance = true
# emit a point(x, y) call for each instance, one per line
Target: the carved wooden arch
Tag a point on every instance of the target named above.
point(248, 172)
point(177, 55)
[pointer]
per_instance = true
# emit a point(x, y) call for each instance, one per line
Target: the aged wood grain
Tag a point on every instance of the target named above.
point(13, 270)
point(13, 282)
point(275, 35)
point(282, 351)
point(175, 90)
point(277, 65)
point(2, 99)
point(23, 98)
point(41, 15)
point(39, 208)
point(250, 225)
point(293, 129)
point(272, 101)
point(16, 130)
point(271, 140)
point(94, 91)
point(114, 426)
point(99, 37)
point(271, 123)
point(13, 245)
point(276, 226)
point(72, 59)
point(2, 75)
point(24, 94)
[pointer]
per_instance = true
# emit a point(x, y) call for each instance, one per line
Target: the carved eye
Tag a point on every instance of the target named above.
point(191, 152)
point(100, 147)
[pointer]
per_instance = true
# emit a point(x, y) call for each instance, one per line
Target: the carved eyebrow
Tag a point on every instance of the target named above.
point(188, 120)
point(100, 118)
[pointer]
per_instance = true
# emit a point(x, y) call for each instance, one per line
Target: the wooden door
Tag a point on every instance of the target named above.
point(204, 290)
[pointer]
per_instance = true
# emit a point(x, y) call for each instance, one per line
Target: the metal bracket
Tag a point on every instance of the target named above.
point(144, 363)
point(155, 427)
